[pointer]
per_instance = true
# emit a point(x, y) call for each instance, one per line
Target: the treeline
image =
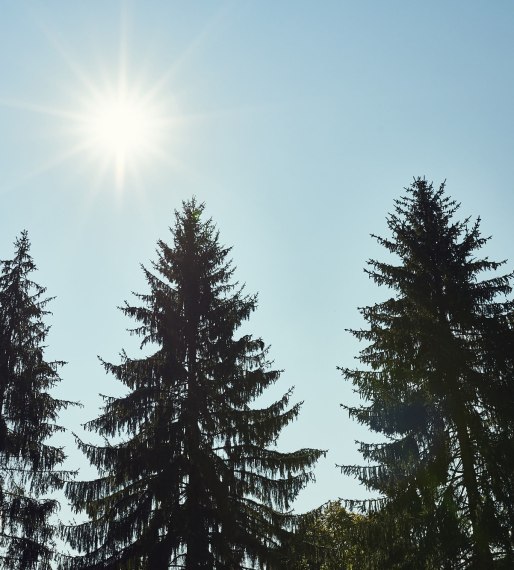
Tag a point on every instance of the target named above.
point(189, 475)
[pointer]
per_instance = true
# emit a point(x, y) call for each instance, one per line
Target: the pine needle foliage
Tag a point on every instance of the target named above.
point(437, 385)
point(28, 465)
point(328, 538)
point(195, 481)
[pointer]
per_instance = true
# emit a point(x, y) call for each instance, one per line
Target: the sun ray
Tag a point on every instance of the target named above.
point(55, 162)
point(196, 44)
point(41, 109)
point(121, 125)
point(65, 55)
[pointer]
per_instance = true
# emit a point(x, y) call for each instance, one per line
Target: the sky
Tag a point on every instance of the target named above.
point(297, 123)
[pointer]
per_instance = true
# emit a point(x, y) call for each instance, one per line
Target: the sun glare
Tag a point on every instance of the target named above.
point(116, 117)
point(121, 129)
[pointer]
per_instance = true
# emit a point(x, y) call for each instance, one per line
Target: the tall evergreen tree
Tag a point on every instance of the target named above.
point(194, 481)
point(28, 464)
point(438, 383)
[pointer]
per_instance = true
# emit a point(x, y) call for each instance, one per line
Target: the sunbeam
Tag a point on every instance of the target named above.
point(121, 121)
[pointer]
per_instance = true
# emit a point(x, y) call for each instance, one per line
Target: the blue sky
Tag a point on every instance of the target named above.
point(298, 123)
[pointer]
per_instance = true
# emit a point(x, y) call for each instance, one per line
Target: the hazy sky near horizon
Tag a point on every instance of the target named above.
point(297, 123)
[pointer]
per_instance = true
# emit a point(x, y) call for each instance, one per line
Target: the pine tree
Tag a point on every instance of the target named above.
point(28, 465)
point(437, 379)
point(194, 480)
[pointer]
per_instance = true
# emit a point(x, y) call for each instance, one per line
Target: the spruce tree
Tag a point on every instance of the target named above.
point(194, 480)
point(28, 464)
point(437, 385)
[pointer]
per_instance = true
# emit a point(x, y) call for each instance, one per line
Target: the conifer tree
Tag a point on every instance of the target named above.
point(194, 481)
point(438, 383)
point(28, 464)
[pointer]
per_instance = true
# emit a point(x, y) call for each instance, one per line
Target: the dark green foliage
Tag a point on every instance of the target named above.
point(328, 538)
point(438, 381)
point(27, 419)
point(194, 482)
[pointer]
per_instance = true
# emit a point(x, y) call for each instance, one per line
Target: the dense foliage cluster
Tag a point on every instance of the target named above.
point(328, 538)
point(189, 475)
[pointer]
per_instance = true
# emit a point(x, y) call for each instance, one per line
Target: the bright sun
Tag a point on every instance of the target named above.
point(120, 128)
point(121, 121)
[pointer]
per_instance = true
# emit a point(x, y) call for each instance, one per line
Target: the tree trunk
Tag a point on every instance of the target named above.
point(482, 558)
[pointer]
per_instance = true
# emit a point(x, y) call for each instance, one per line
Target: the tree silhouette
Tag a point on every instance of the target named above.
point(28, 465)
point(438, 386)
point(195, 481)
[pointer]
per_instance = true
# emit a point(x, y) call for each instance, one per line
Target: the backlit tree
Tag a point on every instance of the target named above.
point(438, 385)
point(29, 465)
point(195, 481)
